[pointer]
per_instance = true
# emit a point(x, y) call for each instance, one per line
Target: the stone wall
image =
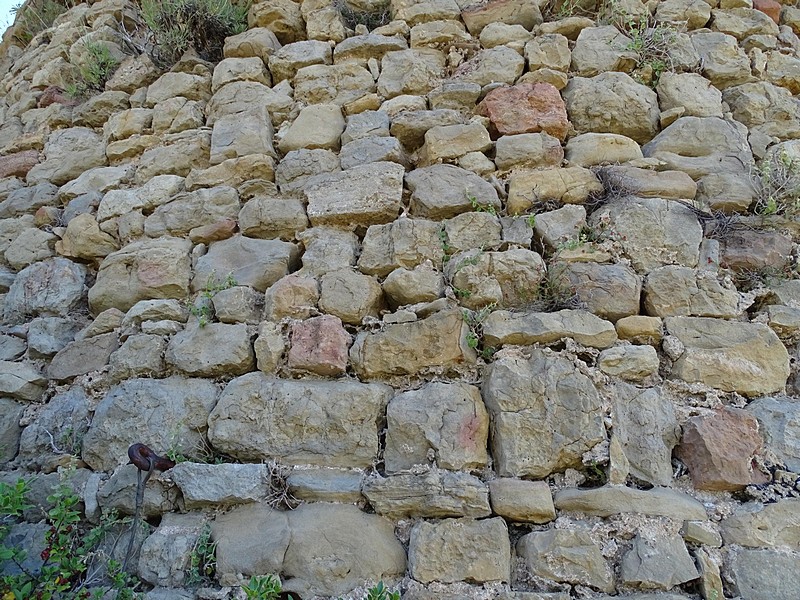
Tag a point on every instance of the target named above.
point(487, 302)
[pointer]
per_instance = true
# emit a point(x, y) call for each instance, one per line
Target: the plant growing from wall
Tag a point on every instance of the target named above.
point(100, 64)
point(175, 25)
point(372, 17)
point(73, 563)
point(202, 560)
point(203, 310)
point(475, 320)
point(36, 16)
point(777, 184)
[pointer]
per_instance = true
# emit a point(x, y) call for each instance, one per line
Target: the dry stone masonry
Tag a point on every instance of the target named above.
point(484, 299)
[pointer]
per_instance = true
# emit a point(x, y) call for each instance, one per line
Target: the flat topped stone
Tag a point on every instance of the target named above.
point(614, 500)
point(526, 108)
point(503, 327)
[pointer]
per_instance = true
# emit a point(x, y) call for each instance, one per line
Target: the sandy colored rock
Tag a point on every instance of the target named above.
point(68, 153)
point(679, 291)
point(565, 556)
point(211, 350)
point(436, 342)
point(589, 149)
point(527, 396)
point(778, 419)
point(600, 49)
point(744, 357)
point(435, 494)
point(494, 65)
point(520, 500)
point(332, 84)
point(456, 550)
point(350, 295)
point(317, 126)
point(503, 327)
point(319, 345)
point(345, 412)
point(443, 191)
point(613, 500)
point(448, 420)
point(657, 562)
point(415, 72)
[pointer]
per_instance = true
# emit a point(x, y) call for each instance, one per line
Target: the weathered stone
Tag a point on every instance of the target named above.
point(84, 239)
point(319, 345)
point(679, 291)
point(494, 65)
point(646, 429)
point(190, 210)
point(446, 420)
point(548, 51)
point(31, 246)
point(239, 69)
point(18, 165)
point(350, 295)
point(529, 396)
point(443, 191)
point(503, 327)
point(165, 556)
point(779, 419)
point(119, 493)
point(718, 449)
point(519, 500)
point(633, 363)
point(235, 136)
point(690, 91)
point(326, 485)
point(589, 149)
point(415, 71)
point(140, 355)
point(600, 49)
point(785, 321)
point(176, 115)
point(238, 304)
point(257, 41)
point(332, 84)
point(520, 12)
point(345, 413)
point(317, 126)
point(403, 243)
point(755, 572)
point(411, 286)
point(657, 562)
point(528, 150)
point(211, 350)
point(83, 356)
point(723, 62)
point(744, 357)
point(291, 296)
point(21, 381)
point(256, 263)
point(10, 430)
point(526, 108)
point(614, 500)
point(750, 250)
point(653, 231)
point(268, 347)
point(410, 125)
point(28, 200)
point(328, 249)
point(68, 153)
point(782, 70)
point(206, 485)
point(364, 195)
point(765, 108)
point(612, 103)
point(473, 230)
point(373, 149)
point(368, 124)
point(454, 141)
point(569, 185)
point(556, 227)
point(435, 494)
point(764, 526)
point(140, 271)
point(565, 556)
point(458, 550)
point(438, 342)
point(172, 84)
point(609, 291)
point(249, 98)
point(646, 183)
point(181, 153)
point(299, 166)
point(12, 347)
point(183, 404)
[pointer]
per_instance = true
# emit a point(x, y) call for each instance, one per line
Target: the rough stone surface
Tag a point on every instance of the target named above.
point(744, 357)
point(323, 423)
point(49, 288)
point(456, 550)
point(447, 420)
point(503, 327)
point(436, 191)
point(211, 350)
point(183, 403)
point(165, 556)
point(522, 396)
point(204, 485)
point(519, 500)
point(660, 562)
point(436, 494)
point(755, 570)
point(319, 345)
point(526, 108)
point(565, 556)
point(779, 420)
point(679, 291)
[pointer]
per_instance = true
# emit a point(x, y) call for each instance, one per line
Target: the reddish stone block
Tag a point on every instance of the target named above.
point(18, 165)
point(54, 95)
point(718, 449)
point(771, 8)
point(526, 108)
point(214, 232)
point(319, 345)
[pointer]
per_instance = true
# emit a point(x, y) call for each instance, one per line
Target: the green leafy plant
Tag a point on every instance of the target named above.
point(478, 207)
point(176, 25)
point(381, 592)
point(777, 184)
point(98, 67)
point(202, 560)
point(475, 320)
point(531, 221)
point(71, 555)
point(262, 587)
point(650, 41)
point(203, 310)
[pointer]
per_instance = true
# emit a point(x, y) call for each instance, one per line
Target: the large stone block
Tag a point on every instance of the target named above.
point(53, 287)
point(544, 414)
point(212, 350)
point(327, 423)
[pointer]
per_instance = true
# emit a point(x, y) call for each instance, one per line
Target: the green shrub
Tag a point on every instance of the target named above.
point(203, 24)
point(262, 588)
point(72, 560)
point(777, 185)
point(34, 17)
